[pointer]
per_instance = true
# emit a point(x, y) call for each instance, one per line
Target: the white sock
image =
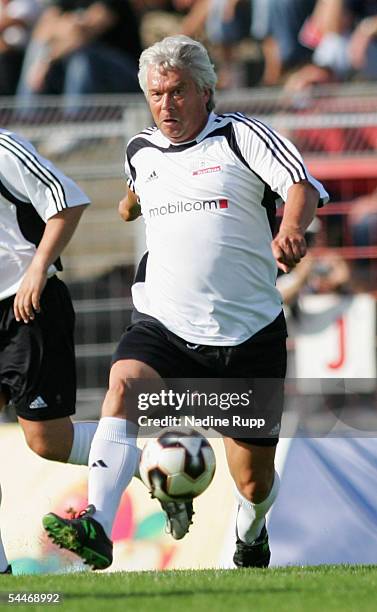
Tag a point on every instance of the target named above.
point(113, 459)
point(83, 433)
point(251, 517)
point(3, 557)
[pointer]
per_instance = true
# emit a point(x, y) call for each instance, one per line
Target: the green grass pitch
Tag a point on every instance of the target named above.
point(293, 589)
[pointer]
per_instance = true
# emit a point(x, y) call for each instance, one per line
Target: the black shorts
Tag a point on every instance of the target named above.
point(263, 356)
point(37, 359)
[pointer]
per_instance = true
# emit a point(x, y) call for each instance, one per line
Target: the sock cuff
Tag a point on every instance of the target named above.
point(262, 508)
point(117, 430)
point(83, 432)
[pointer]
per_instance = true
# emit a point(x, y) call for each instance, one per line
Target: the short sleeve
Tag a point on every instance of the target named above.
point(32, 178)
point(272, 157)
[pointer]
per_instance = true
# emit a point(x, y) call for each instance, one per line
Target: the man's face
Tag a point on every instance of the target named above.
point(178, 108)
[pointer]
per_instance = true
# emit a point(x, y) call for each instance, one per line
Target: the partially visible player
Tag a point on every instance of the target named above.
point(5, 568)
point(206, 302)
point(40, 209)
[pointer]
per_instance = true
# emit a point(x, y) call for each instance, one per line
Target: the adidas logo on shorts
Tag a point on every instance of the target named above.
point(38, 403)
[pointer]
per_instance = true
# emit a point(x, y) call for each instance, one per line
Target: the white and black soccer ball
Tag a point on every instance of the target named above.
point(177, 466)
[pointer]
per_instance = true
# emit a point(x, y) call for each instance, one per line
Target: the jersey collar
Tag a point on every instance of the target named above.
point(211, 117)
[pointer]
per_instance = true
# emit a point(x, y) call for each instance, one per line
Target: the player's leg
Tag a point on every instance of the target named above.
point(262, 361)
point(114, 455)
point(143, 353)
point(5, 568)
point(113, 459)
point(46, 399)
point(106, 485)
point(256, 487)
point(60, 439)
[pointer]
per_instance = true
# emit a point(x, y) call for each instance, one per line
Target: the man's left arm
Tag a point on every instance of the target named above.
point(289, 246)
point(57, 234)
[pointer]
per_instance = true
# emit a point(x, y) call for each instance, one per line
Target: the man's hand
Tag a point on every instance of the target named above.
point(58, 232)
point(129, 207)
point(27, 299)
point(288, 248)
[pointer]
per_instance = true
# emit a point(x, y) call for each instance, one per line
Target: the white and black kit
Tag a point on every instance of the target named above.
point(207, 285)
point(37, 361)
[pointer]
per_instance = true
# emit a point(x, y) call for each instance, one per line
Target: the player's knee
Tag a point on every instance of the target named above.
point(123, 386)
point(115, 404)
point(45, 448)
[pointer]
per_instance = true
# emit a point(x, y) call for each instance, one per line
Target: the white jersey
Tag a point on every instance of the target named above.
point(31, 191)
point(208, 207)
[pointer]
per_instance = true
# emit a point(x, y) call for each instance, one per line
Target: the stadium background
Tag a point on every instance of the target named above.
point(336, 131)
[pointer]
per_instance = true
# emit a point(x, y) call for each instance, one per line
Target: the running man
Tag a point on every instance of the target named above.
point(205, 299)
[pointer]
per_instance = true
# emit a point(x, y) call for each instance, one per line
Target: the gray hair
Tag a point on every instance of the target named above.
point(180, 52)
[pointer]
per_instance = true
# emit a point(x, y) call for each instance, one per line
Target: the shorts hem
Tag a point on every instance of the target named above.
point(144, 359)
point(258, 441)
point(44, 417)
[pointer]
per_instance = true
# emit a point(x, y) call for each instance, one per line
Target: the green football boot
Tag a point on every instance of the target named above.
point(82, 535)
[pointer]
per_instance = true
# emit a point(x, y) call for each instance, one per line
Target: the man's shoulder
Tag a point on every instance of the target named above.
point(7, 135)
point(236, 122)
point(147, 137)
point(147, 133)
point(233, 117)
point(15, 146)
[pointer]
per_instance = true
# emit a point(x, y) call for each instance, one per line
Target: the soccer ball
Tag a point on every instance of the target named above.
point(177, 466)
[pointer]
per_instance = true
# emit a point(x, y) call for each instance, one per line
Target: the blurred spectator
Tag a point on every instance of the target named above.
point(82, 47)
point(329, 273)
point(346, 45)
point(277, 24)
point(160, 18)
point(193, 23)
point(227, 23)
point(363, 220)
point(363, 226)
point(16, 20)
point(326, 273)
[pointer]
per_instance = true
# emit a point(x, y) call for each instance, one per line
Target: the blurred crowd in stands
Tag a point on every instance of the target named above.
point(92, 46)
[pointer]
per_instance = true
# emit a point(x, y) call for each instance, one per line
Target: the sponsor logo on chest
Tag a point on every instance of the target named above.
point(199, 167)
point(181, 206)
point(206, 170)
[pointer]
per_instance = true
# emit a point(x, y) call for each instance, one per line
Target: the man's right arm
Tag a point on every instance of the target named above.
point(129, 207)
point(58, 232)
